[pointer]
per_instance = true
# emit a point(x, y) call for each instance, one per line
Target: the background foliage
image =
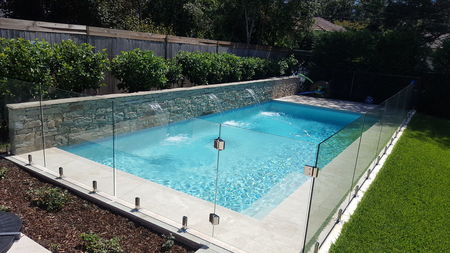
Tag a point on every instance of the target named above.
point(139, 70)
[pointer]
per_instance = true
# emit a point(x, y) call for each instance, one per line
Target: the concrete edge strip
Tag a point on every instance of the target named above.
point(335, 232)
point(115, 206)
point(144, 93)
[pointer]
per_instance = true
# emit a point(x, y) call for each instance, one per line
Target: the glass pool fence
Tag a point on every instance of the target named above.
point(248, 190)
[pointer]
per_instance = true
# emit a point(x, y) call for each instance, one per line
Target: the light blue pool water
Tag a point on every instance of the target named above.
point(267, 146)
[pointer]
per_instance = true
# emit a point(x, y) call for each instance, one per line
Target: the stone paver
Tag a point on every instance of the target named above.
point(26, 245)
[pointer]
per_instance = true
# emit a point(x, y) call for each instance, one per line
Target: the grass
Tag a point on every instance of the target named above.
point(407, 207)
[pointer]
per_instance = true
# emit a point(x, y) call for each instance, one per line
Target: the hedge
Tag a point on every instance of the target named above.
point(77, 67)
point(139, 70)
point(66, 65)
point(207, 68)
point(394, 52)
point(441, 58)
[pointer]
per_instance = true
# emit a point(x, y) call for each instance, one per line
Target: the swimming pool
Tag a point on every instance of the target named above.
point(267, 146)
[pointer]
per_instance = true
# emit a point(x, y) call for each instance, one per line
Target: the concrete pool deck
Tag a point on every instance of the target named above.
point(328, 103)
point(283, 228)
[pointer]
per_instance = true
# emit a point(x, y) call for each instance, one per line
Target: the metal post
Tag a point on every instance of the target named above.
point(339, 217)
point(356, 191)
point(316, 247)
point(94, 186)
point(61, 172)
point(184, 222)
point(137, 203)
point(30, 159)
point(166, 41)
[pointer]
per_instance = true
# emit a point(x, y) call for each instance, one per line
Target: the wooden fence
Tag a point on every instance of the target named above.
point(115, 41)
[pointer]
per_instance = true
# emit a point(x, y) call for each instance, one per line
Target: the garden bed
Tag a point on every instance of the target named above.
point(61, 231)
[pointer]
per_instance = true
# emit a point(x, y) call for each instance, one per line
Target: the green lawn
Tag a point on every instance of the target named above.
point(407, 208)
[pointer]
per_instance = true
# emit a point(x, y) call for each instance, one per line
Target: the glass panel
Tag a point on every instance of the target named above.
point(72, 124)
point(263, 194)
point(170, 167)
point(368, 143)
point(333, 186)
point(21, 119)
point(387, 124)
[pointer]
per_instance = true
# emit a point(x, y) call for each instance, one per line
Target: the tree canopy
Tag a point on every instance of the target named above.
point(285, 23)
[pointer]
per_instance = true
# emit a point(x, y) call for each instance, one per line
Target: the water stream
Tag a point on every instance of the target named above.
point(254, 96)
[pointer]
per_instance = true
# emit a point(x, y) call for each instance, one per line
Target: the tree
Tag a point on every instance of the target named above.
point(267, 22)
point(67, 11)
point(337, 10)
point(201, 14)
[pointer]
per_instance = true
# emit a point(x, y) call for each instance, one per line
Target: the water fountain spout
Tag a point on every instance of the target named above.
point(161, 114)
point(254, 96)
point(216, 101)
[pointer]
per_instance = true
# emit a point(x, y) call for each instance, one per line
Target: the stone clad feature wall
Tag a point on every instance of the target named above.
point(76, 120)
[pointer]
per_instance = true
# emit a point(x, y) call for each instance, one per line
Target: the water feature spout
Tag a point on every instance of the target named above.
point(161, 114)
point(254, 96)
point(216, 101)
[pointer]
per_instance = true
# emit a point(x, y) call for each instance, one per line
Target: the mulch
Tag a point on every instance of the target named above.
point(63, 228)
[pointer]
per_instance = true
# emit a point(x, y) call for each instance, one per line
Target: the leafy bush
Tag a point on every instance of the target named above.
point(208, 68)
point(396, 52)
point(195, 66)
point(39, 65)
point(342, 51)
point(139, 70)
point(29, 61)
point(399, 52)
point(76, 67)
point(168, 244)
point(55, 247)
point(5, 208)
point(224, 68)
point(3, 172)
point(175, 72)
point(93, 243)
point(253, 68)
point(283, 66)
point(441, 58)
point(49, 198)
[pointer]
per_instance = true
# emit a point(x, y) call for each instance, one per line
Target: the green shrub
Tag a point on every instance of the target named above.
point(175, 72)
point(224, 68)
point(399, 52)
point(55, 247)
point(93, 243)
point(289, 65)
point(396, 52)
point(76, 67)
point(168, 243)
point(208, 68)
point(441, 58)
point(195, 66)
point(28, 61)
point(345, 51)
point(139, 70)
point(39, 65)
point(3, 172)
point(5, 208)
point(49, 198)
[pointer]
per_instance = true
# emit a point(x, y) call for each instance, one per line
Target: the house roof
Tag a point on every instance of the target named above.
point(321, 24)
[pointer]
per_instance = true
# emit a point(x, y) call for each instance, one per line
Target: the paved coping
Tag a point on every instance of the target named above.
point(140, 93)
